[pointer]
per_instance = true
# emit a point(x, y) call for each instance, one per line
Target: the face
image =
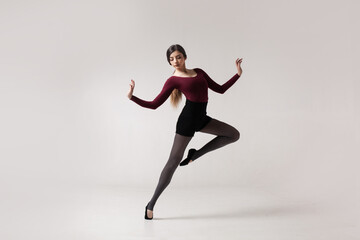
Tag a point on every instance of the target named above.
point(177, 60)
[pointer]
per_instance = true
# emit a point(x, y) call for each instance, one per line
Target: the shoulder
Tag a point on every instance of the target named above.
point(172, 81)
point(199, 70)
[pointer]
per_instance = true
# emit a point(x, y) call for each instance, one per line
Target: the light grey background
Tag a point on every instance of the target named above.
point(65, 68)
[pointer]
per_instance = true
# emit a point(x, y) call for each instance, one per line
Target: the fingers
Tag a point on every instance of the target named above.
point(238, 65)
point(132, 84)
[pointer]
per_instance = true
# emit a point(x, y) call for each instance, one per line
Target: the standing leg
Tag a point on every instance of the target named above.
point(225, 134)
point(176, 154)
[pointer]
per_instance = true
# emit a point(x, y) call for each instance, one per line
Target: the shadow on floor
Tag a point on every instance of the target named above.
point(268, 211)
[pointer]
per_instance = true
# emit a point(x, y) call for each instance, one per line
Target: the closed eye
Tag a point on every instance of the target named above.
point(177, 57)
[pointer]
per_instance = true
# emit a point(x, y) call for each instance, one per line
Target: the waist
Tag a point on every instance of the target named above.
point(188, 102)
point(195, 108)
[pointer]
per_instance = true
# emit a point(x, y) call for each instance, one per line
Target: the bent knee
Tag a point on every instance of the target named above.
point(235, 135)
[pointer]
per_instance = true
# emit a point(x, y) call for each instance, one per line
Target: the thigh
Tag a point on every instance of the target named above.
point(179, 145)
point(219, 128)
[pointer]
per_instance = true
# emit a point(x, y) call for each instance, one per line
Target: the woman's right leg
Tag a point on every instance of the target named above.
point(226, 134)
point(176, 154)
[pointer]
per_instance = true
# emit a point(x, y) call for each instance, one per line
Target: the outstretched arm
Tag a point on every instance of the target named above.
point(160, 99)
point(222, 88)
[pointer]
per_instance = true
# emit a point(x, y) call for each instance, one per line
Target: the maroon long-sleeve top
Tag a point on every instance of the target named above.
point(195, 88)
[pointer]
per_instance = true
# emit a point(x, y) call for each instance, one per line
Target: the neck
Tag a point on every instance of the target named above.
point(181, 70)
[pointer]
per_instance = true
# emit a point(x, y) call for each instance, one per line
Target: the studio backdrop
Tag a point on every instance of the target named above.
point(65, 69)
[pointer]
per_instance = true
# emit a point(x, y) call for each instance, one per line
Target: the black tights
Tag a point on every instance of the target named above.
point(225, 134)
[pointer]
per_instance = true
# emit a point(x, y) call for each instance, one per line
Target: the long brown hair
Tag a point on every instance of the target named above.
point(176, 95)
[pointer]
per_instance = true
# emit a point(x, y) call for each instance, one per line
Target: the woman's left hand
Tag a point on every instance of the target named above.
point(238, 66)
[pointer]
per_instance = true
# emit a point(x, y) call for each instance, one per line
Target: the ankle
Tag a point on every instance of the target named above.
point(150, 207)
point(195, 155)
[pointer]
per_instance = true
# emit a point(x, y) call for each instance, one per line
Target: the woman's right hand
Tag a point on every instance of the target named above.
point(132, 86)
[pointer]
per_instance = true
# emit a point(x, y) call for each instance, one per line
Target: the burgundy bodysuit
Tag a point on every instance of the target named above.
point(195, 88)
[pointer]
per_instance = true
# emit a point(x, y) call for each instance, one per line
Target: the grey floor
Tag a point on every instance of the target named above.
point(114, 212)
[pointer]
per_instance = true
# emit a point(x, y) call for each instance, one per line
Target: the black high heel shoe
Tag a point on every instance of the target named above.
point(146, 216)
point(188, 158)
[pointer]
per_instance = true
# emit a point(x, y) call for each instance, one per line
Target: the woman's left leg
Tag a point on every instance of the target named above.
point(176, 154)
point(226, 134)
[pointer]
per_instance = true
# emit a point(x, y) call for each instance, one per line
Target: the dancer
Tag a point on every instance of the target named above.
point(194, 84)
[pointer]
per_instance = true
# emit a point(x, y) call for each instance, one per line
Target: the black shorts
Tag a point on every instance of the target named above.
point(192, 119)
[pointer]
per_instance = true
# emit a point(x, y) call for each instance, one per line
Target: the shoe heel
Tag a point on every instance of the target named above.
point(146, 216)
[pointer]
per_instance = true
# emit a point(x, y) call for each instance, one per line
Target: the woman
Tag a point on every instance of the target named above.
point(194, 84)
